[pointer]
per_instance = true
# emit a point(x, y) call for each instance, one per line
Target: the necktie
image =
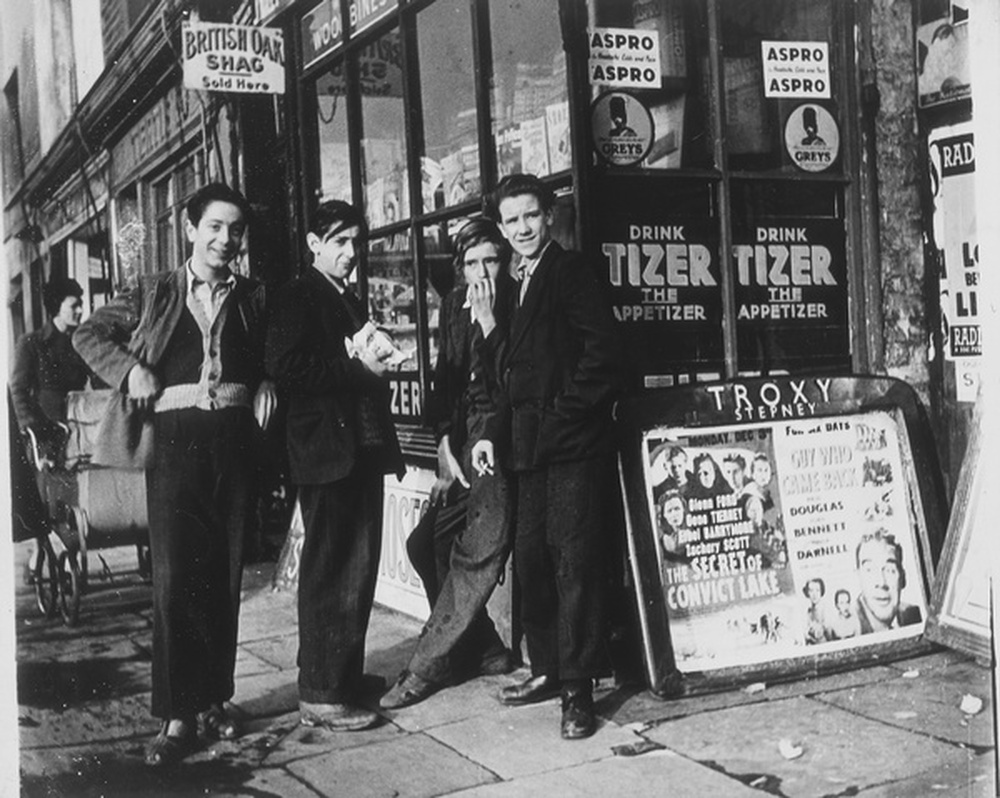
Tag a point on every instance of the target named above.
point(522, 278)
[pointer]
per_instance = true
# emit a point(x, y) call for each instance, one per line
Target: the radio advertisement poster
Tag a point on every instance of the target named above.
point(952, 164)
point(782, 539)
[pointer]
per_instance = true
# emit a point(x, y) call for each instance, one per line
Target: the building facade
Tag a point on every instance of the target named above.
point(768, 186)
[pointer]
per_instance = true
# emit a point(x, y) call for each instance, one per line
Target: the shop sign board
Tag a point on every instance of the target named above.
point(778, 526)
point(366, 12)
point(162, 126)
point(266, 10)
point(624, 58)
point(796, 69)
point(952, 163)
point(791, 290)
point(322, 29)
point(233, 58)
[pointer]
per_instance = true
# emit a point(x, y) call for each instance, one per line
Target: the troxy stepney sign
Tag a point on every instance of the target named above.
point(233, 58)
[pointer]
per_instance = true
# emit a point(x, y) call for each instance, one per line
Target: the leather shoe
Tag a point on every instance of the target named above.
point(409, 689)
point(336, 717)
point(530, 691)
point(578, 718)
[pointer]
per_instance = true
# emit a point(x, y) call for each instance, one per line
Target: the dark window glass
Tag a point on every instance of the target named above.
point(450, 164)
point(661, 116)
point(383, 138)
point(782, 74)
point(331, 120)
point(530, 97)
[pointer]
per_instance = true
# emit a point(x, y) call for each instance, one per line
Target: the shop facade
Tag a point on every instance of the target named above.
point(748, 177)
point(759, 182)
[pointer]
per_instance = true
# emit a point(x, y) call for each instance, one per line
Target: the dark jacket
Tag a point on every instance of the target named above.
point(46, 368)
point(465, 393)
point(325, 388)
point(560, 365)
point(136, 326)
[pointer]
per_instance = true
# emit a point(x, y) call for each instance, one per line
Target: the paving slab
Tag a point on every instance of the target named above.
point(58, 679)
point(266, 613)
point(281, 740)
point(474, 697)
point(278, 652)
point(842, 753)
point(974, 779)
point(633, 704)
point(118, 770)
point(97, 721)
point(654, 773)
point(267, 694)
point(928, 703)
point(413, 766)
point(522, 741)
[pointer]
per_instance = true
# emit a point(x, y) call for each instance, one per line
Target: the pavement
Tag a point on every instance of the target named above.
point(905, 728)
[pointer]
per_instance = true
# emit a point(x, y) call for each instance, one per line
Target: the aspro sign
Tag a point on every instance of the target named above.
point(796, 69)
point(236, 58)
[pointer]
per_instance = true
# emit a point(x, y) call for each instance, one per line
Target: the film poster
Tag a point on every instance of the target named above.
point(783, 539)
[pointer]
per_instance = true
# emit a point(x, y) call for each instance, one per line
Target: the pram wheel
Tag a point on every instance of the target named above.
point(45, 577)
point(69, 587)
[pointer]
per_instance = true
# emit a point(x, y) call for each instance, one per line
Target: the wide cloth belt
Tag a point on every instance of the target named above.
point(218, 397)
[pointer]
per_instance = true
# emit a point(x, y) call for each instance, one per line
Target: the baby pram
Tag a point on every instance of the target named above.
point(89, 508)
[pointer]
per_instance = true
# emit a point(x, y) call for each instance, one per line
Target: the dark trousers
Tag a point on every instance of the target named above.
point(565, 515)
point(198, 492)
point(339, 566)
point(460, 554)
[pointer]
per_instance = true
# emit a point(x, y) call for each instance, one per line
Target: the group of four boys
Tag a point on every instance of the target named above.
point(529, 367)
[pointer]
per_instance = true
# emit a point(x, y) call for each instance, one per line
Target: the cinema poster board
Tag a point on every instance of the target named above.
point(722, 600)
point(960, 601)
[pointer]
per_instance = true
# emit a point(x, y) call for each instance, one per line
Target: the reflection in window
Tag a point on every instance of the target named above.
point(334, 152)
point(675, 110)
point(450, 166)
point(530, 99)
point(440, 278)
point(383, 142)
point(757, 115)
point(392, 292)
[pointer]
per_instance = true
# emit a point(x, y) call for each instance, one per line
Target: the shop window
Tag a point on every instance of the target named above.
point(530, 97)
point(335, 174)
point(780, 68)
point(163, 216)
point(168, 196)
point(383, 139)
point(10, 138)
point(392, 302)
point(129, 239)
point(450, 171)
point(441, 278)
point(649, 102)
